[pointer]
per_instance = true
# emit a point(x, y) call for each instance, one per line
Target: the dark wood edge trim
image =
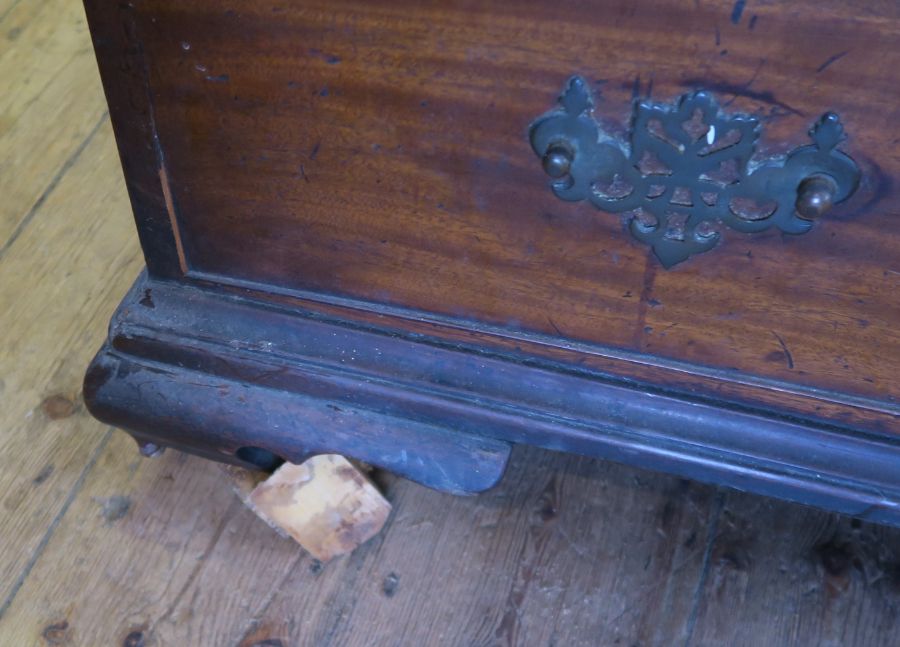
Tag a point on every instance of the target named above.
point(124, 72)
point(210, 416)
point(647, 371)
point(200, 370)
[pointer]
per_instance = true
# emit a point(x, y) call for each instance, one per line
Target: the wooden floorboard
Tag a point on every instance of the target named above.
point(101, 547)
point(49, 102)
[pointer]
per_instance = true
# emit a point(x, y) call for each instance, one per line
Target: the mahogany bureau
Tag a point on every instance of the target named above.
point(416, 233)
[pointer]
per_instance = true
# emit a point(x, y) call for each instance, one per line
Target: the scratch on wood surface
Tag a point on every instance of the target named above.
point(711, 535)
point(649, 278)
point(787, 353)
point(170, 209)
point(832, 59)
point(555, 327)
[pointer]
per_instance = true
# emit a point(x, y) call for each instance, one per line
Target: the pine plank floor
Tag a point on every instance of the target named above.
point(100, 547)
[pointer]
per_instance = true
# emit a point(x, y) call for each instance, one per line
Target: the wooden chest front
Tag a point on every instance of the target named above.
point(368, 166)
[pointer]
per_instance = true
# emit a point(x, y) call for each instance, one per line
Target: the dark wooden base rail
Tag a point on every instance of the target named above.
point(214, 373)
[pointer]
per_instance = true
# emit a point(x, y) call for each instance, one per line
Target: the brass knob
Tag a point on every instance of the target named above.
point(557, 160)
point(815, 196)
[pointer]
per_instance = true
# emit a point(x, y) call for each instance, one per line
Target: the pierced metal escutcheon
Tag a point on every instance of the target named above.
point(687, 170)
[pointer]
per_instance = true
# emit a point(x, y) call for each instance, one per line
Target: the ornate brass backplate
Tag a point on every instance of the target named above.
point(688, 170)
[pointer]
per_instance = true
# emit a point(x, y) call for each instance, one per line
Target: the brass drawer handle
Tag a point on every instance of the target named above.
point(686, 171)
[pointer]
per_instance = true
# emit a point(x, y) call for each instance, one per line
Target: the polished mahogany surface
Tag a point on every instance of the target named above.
point(372, 157)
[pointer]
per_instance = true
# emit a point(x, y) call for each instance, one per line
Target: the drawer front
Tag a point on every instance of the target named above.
point(379, 152)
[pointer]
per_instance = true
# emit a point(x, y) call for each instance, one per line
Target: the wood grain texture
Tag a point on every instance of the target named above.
point(45, 120)
point(820, 565)
point(52, 148)
point(559, 578)
point(377, 150)
point(53, 313)
point(100, 547)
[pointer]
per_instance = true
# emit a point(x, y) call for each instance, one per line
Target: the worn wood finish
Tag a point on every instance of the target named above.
point(411, 294)
point(214, 375)
point(100, 547)
point(376, 150)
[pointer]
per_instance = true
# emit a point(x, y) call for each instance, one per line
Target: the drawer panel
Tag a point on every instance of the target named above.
point(378, 151)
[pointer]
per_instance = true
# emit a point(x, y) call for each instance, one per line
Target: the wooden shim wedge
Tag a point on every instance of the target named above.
point(326, 504)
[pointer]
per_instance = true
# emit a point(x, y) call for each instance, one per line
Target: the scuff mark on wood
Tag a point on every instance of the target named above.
point(43, 475)
point(741, 90)
point(57, 633)
point(173, 219)
point(737, 11)
point(555, 327)
point(787, 353)
point(57, 407)
point(832, 59)
point(115, 507)
point(147, 299)
point(331, 59)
